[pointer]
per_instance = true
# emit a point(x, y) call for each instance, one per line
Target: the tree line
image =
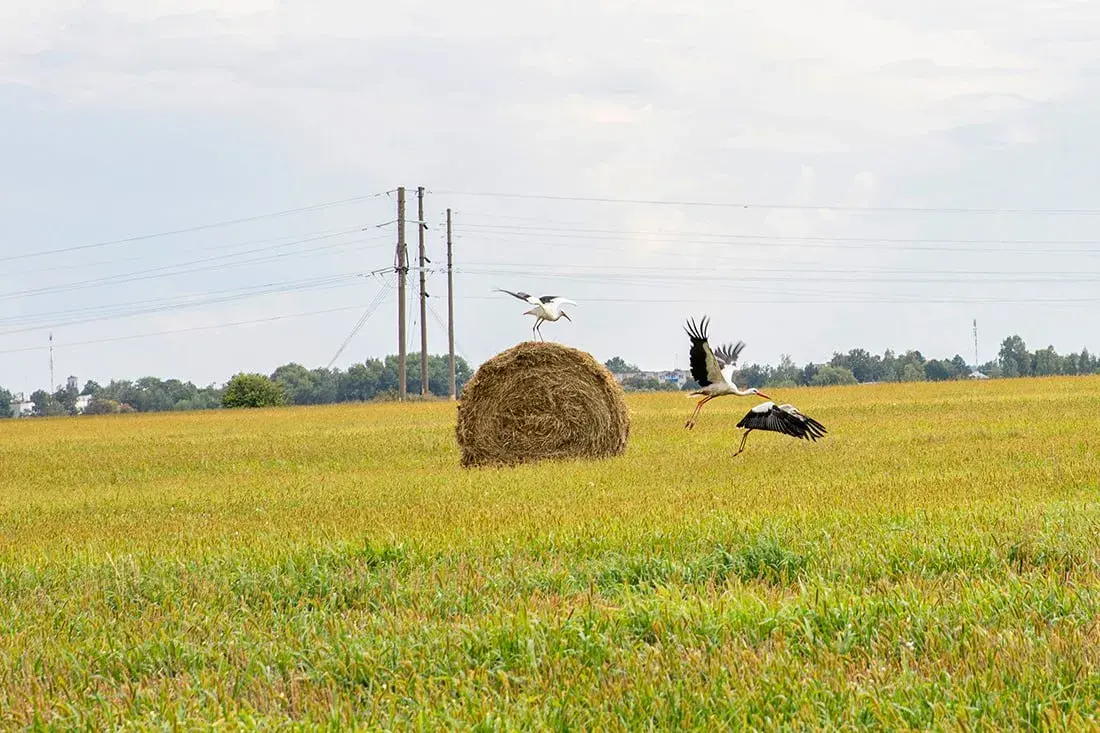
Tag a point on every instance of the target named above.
point(858, 366)
point(377, 379)
point(294, 384)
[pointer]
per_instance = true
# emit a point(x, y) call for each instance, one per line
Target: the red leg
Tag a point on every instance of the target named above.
point(743, 439)
point(699, 406)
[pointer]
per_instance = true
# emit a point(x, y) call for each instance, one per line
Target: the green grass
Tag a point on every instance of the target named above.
point(932, 563)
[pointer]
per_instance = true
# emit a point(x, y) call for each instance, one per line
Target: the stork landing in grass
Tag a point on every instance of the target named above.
point(547, 308)
point(784, 419)
point(713, 369)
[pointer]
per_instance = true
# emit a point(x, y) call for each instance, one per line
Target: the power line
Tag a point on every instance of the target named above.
point(188, 330)
point(796, 207)
point(379, 296)
point(884, 300)
point(197, 228)
point(732, 277)
point(219, 246)
point(735, 271)
point(159, 272)
point(94, 314)
point(771, 237)
point(716, 239)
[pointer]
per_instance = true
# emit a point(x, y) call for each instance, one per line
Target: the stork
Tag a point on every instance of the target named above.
point(784, 419)
point(547, 308)
point(713, 369)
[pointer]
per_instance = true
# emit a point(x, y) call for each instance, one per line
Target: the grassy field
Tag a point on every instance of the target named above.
point(933, 562)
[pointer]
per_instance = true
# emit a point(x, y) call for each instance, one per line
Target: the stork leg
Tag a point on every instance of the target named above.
point(535, 332)
point(698, 406)
point(743, 439)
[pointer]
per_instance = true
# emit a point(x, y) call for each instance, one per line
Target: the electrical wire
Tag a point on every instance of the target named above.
point(714, 240)
point(95, 314)
point(159, 272)
point(371, 308)
point(197, 228)
point(183, 330)
point(793, 207)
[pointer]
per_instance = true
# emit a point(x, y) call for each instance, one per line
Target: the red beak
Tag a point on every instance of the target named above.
point(763, 395)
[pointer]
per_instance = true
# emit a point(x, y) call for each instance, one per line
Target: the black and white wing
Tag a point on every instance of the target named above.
point(727, 354)
point(708, 365)
point(547, 299)
point(784, 419)
point(522, 296)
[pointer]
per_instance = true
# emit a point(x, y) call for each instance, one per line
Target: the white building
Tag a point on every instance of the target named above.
point(21, 406)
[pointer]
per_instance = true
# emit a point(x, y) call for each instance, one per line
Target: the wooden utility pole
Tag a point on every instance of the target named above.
point(423, 295)
point(450, 308)
point(401, 270)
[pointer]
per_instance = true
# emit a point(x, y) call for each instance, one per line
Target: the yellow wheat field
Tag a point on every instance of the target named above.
point(933, 562)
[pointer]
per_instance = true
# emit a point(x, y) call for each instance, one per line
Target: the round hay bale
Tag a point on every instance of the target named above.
point(539, 401)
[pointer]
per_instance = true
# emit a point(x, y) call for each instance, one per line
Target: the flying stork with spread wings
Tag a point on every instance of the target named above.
point(547, 308)
point(713, 368)
point(784, 419)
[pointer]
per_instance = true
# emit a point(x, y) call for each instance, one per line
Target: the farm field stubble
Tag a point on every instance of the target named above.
point(933, 562)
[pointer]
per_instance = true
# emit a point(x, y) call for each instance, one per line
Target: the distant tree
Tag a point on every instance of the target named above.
point(360, 382)
point(959, 367)
point(784, 374)
point(91, 388)
point(889, 367)
point(937, 371)
point(66, 397)
point(1015, 358)
point(102, 406)
point(912, 372)
point(752, 375)
point(618, 365)
point(864, 366)
point(808, 373)
point(326, 386)
point(253, 390)
point(45, 405)
point(831, 375)
point(1046, 362)
point(297, 382)
point(5, 403)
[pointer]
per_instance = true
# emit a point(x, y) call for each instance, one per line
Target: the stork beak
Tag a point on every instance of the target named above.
point(566, 316)
point(761, 394)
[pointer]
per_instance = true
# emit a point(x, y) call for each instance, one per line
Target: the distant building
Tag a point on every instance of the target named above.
point(677, 377)
point(21, 406)
point(82, 402)
point(978, 375)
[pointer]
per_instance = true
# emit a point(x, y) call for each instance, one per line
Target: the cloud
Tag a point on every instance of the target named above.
point(840, 103)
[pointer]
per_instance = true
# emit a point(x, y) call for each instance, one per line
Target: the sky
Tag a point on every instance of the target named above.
point(196, 188)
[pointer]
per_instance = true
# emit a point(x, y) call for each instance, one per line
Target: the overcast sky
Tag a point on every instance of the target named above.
point(856, 149)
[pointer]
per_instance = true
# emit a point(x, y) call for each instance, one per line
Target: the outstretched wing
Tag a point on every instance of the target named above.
point(555, 299)
point(522, 296)
point(727, 354)
point(705, 368)
point(783, 419)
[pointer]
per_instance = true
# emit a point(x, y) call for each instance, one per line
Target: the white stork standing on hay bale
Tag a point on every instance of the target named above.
point(784, 419)
point(547, 308)
point(713, 369)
